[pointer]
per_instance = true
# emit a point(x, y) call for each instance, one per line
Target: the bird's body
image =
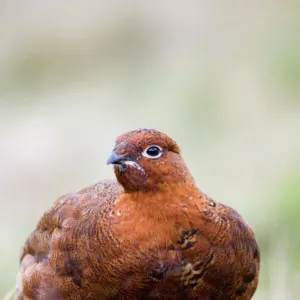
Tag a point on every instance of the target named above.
point(150, 235)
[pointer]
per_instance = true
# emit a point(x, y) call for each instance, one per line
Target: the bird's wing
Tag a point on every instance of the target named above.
point(220, 250)
point(59, 255)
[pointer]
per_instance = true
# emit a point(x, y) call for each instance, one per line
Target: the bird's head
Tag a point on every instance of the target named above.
point(147, 160)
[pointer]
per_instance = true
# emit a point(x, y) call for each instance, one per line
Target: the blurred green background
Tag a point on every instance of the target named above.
point(220, 77)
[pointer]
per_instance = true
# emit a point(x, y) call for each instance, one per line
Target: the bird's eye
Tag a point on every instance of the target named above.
point(152, 152)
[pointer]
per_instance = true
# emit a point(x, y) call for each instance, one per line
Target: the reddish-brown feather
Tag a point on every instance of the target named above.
point(150, 235)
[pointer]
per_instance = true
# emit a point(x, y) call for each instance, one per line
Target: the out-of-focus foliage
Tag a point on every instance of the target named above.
point(221, 77)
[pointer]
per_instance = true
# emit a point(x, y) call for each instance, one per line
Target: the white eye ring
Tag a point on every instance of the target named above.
point(146, 153)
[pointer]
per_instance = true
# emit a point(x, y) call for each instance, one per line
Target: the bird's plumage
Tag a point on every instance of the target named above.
point(150, 235)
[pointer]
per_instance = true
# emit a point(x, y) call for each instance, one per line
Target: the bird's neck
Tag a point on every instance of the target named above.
point(154, 219)
point(165, 202)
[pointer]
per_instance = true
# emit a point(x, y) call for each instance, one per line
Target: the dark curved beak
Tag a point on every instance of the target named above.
point(114, 159)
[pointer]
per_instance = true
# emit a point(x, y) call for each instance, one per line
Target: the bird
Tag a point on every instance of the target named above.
point(149, 234)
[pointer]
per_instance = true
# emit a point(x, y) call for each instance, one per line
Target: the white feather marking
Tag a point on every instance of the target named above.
point(134, 164)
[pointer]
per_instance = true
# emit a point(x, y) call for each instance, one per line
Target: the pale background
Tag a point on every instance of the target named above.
point(220, 77)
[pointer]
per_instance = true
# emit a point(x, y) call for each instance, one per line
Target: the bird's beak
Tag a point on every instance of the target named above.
point(114, 159)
